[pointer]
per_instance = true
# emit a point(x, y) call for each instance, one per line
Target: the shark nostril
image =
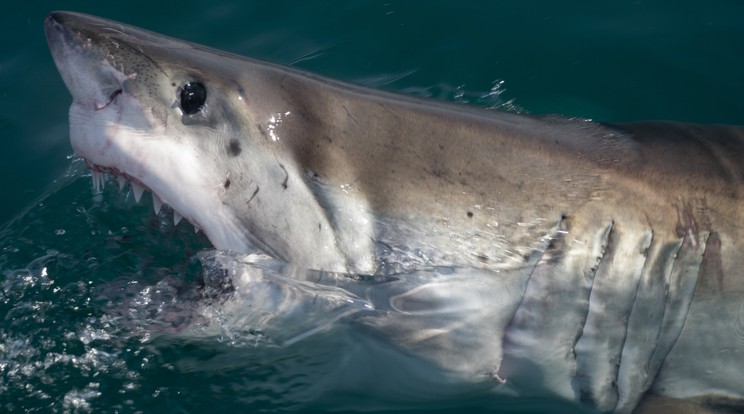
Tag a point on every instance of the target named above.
point(114, 94)
point(111, 99)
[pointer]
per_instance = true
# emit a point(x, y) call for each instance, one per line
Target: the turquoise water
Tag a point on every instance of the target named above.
point(94, 289)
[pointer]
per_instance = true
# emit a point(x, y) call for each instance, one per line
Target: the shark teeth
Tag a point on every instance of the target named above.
point(121, 181)
point(137, 190)
point(98, 176)
point(157, 203)
point(99, 181)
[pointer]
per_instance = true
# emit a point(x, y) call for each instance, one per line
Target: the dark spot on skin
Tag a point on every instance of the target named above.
point(234, 148)
point(470, 214)
point(482, 258)
point(227, 184)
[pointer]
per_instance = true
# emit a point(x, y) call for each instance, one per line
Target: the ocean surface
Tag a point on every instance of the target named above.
point(105, 306)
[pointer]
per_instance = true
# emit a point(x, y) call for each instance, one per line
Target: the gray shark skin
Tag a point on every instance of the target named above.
point(601, 263)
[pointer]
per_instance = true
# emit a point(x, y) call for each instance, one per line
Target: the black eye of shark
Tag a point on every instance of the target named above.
point(193, 96)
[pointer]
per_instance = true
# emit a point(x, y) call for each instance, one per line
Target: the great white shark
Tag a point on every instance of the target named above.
point(602, 263)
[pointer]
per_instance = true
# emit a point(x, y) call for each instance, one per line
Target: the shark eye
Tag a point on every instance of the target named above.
point(193, 96)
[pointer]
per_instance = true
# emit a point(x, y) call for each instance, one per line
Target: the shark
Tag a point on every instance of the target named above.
point(601, 263)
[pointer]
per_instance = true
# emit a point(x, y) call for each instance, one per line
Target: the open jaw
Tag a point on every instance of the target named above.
point(98, 174)
point(123, 122)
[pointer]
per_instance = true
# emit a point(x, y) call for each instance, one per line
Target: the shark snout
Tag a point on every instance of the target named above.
point(84, 66)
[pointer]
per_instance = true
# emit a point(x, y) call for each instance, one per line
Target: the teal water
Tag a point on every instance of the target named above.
point(94, 289)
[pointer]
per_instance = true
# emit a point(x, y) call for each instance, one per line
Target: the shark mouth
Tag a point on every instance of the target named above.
point(99, 173)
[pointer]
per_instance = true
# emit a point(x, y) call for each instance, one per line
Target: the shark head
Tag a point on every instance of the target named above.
point(196, 127)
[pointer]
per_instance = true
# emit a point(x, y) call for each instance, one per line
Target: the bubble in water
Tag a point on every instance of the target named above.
point(79, 400)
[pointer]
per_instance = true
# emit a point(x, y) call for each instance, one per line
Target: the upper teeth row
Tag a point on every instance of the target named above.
point(99, 182)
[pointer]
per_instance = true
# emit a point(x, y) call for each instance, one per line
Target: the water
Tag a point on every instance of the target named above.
point(105, 306)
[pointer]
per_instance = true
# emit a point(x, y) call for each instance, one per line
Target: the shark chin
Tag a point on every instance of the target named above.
point(597, 262)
